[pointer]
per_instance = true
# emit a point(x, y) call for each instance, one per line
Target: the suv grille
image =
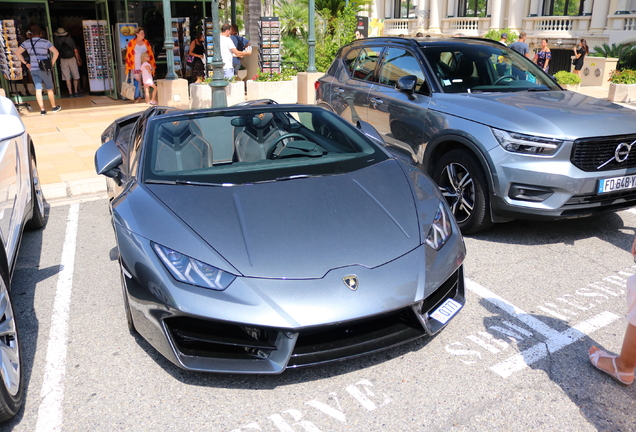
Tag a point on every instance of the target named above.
point(590, 153)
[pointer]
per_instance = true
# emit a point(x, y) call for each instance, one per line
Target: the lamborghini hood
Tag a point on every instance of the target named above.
point(302, 228)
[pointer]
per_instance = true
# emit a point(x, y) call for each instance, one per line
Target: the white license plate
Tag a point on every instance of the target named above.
point(446, 311)
point(616, 184)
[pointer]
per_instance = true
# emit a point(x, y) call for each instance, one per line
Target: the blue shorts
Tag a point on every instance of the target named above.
point(40, 77)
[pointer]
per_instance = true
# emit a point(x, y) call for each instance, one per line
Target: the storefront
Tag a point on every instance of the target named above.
point(96, 20)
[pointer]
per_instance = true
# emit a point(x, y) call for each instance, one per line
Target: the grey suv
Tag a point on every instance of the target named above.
point(499, 136)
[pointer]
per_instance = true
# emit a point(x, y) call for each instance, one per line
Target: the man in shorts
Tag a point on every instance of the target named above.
point(38, 49)
point(69, 60)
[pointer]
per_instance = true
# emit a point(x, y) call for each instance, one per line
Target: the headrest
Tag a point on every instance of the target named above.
point(177, 133)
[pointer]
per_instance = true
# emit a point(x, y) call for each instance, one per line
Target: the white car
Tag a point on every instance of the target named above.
point(21, 207)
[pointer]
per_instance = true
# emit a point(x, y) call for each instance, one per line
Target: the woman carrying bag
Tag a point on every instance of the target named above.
point(136, 47)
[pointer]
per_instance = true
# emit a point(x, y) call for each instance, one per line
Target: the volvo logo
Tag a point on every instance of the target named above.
point(351, 282)
point(621, 153)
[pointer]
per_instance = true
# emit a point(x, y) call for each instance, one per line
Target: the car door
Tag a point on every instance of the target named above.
point(349, 91)
point(398, 116)
point(9, 175)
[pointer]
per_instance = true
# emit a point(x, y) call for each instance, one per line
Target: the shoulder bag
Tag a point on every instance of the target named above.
point(45, 65)
point(128, 88)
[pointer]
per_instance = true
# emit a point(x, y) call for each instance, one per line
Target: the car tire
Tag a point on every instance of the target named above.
point(11, 375)
point(129, 319)
point(38, 217)
point(463, 183)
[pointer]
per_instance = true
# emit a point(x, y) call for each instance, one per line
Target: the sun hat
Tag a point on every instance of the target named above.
point(60, 32)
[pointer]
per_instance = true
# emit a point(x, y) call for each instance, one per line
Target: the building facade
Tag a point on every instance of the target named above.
point(562, 22)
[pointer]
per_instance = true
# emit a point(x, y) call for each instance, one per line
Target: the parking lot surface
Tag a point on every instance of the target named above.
point(539, 294)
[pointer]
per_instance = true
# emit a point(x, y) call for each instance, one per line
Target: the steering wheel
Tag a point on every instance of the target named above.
point(271, 153)
point(508, 77)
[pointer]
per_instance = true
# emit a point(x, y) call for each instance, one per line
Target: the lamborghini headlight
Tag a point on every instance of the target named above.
point(528, 144)
point(193, 272)
point(441, 228)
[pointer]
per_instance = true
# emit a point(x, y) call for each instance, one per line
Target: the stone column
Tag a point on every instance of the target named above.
point(496, 15)
point(451, 9)
point(599, 16)
point(435, 17)
point(621, 7)
point(587, 7)
point(534, 8)
point(515, 16)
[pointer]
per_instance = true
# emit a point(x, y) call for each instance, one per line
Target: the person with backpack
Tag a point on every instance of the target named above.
point(69, 60)
point(40, 66)
point(240, 43)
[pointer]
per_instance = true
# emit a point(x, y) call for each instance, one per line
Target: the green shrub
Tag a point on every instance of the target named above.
point(567, 78)
point(626, 76)
point(496, 35)
point(612, 51)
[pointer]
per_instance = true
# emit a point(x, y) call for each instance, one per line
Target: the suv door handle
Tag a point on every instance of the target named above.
point(338, 90)
point(376, 101)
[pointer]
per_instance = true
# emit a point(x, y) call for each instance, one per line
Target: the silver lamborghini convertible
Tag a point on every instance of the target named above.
point(262, 237)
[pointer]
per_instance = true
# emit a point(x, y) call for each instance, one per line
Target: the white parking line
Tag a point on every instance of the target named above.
point(52, 394)
point(555, 340)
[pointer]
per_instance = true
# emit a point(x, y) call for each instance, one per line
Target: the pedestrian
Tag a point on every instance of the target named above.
point(580, 54)
point(621, 367)
point(419, 34)
point(147, 71)
point(197, 48)
point(136, 47)
point(241, 45)
point(227, 49)
point(38, 49)
point(504, 39)
point(521, 46)
point(543, 56)
point(69, 61)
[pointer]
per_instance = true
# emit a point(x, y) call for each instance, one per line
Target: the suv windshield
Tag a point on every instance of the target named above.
point(253, 145)
point(471, 68)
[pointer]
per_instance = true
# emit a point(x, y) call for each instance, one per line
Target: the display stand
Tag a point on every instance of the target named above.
point(10, 65)
point(98, 56)
point(209, 46)
point(269, 50)
point(181, 35)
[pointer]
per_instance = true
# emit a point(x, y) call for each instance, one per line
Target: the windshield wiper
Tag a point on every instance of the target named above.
point(535, 89)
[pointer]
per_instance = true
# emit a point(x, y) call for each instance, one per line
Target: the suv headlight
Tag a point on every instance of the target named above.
point(193, 272)
point(441, 228)
point(527, 144)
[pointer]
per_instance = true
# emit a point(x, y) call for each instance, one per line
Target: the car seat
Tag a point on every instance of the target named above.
point(254, 141)
point(181, 147)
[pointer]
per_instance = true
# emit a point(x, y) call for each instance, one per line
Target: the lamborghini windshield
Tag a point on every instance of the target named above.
point(253, 144)
point(471, 68)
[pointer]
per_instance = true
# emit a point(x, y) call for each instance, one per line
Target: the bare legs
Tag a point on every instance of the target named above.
point(40, 99)
point(147, 88)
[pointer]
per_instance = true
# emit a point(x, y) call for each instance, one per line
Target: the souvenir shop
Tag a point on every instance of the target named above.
point(101, 30)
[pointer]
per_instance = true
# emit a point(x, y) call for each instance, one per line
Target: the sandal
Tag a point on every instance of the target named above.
point(616, 375)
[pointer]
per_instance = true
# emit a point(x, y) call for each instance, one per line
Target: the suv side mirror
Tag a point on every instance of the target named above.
point(108, 158)
point(406, 84)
